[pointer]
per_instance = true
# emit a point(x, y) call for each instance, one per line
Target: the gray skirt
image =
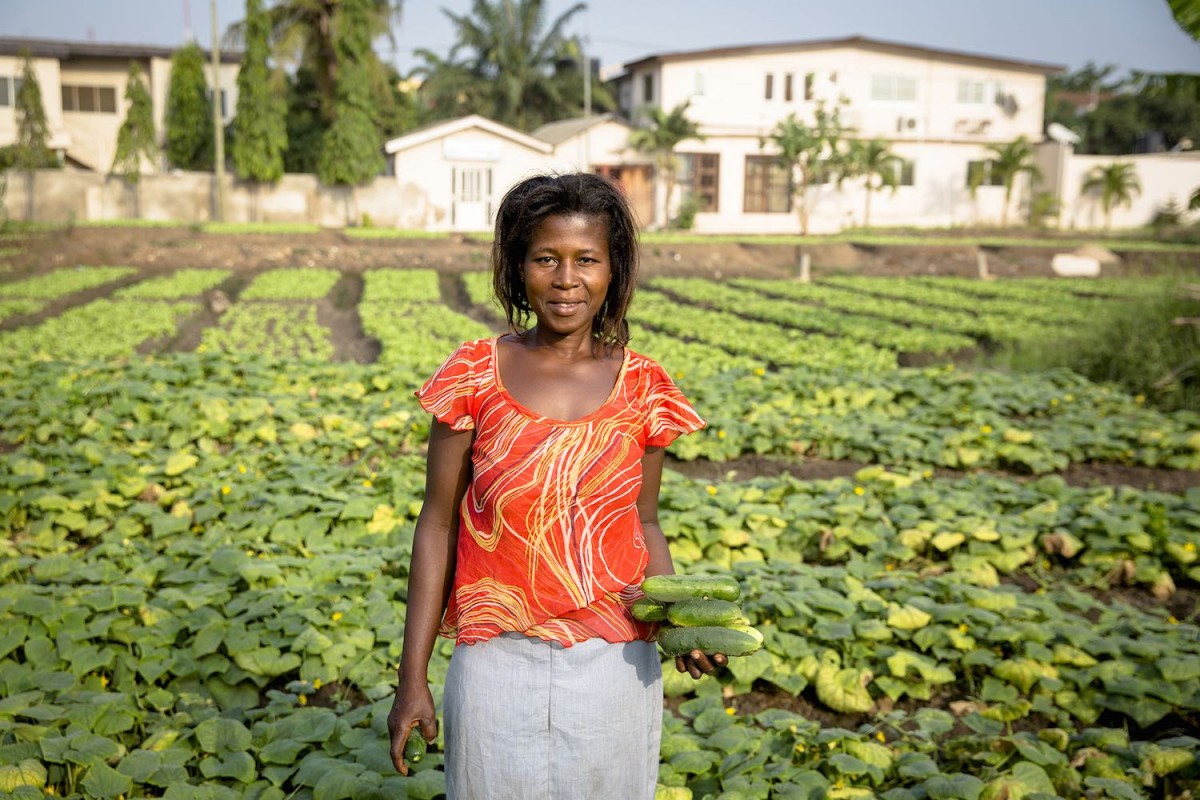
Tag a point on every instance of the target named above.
point(528, 719)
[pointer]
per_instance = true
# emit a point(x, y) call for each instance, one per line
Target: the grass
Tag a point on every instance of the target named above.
point(259, 227)
point(1135, 345)
point(399, 233)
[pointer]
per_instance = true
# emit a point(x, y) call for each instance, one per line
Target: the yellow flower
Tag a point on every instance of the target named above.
point(226, 489)
point(833, 745)
point(104, 681)
point(731, 711)
point(1189, 546)
point(759, 371)
point(1171, 619)
point(889, 567)
point(927, 473)
point(720, 434)
point(387, 403)
point(302, 700)
point(858, 490)
point(800, 748)
point(316, 684)
point(242, 468)
point(1053, 401)
point(879, 735)
point(337, 616)
point(367, 484)
point(679, 375)
point(1139, 399)
point(710, 489)
point(963, 628)
point(986, 429)
point(50, 790)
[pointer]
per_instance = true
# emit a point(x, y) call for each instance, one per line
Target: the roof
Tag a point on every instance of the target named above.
point(438, 130)
point(559, 131)
point(70, 51)
point(861, 42)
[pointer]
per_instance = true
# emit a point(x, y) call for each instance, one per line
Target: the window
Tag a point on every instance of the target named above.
point(809, 80)
point(984, 173)
point(699, 179)
point(972, 92)
point(9, 87)
point(824, 172)
point(89, 99)
point(787, 87)
point(698, 85)
point(768, 186)
point(224, 101)
point(894, 88)
point(903, 171)
point(647, 88)
point(770, 86)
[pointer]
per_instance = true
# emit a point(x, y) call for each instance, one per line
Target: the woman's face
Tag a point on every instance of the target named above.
point(567, 272)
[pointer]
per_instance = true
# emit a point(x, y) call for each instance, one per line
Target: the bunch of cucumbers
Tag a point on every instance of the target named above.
point(697, 612)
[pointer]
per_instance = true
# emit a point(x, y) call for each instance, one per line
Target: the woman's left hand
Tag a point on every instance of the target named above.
point(697, 664)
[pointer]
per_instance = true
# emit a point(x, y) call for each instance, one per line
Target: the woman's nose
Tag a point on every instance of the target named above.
point(566, 274)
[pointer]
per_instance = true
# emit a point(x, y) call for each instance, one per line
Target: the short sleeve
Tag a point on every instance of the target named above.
point(668, 413)
point(450, 392)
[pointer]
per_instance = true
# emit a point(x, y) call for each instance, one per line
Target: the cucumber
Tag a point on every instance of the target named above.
point(648, 610)
point(414, 748)
point(709, 639)
point(701, 612)
point(673, 588)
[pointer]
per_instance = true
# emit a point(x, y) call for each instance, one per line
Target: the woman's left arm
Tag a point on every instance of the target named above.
point(694, 663)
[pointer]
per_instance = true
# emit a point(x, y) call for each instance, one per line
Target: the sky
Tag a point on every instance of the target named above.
point(1130, 34)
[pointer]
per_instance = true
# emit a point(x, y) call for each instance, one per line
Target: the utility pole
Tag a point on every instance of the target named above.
point(218, 126)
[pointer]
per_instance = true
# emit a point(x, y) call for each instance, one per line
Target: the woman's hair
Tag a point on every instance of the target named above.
point(527, 205)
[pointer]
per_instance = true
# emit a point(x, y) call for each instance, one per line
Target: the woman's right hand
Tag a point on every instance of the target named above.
point(412, 714)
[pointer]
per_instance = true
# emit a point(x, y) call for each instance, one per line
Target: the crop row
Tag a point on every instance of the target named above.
point(63, 282)
point(181, 284)
point(281, 330)
point(100, 329)
point(291, 284)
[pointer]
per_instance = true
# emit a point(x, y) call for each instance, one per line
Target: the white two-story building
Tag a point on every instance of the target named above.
point(938, 110)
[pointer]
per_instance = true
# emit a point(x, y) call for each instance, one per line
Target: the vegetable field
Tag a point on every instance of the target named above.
point(207, 523)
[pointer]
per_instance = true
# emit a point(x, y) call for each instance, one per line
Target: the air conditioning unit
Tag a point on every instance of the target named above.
point(908, 125)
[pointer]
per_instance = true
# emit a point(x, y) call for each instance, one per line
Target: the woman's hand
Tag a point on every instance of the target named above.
point(697, 664)
point(413, 716)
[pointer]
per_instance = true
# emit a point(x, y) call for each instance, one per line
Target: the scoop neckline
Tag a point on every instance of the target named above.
point(539, 417)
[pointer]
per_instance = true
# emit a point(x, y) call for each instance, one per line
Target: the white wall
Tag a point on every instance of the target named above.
point(1163, 177)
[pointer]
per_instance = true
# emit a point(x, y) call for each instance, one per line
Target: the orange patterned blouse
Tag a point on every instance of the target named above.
point(550, 543)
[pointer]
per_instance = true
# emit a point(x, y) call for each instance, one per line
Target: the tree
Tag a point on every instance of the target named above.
point(1116, 183)
point(1008, 161)
point(304, 33)
point(351, 152)
point(188, 120)
point(305, 127)
point(873, 159)
point(136, 137)
point(260, 125)
point(31, 151)
point(510, 65)
point(659, 138)
point(808, 151)
point(1187, 14)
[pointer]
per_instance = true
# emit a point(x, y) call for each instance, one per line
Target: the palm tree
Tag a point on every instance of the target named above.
point(304, 32)
point(509, 64)
point(874, 159)
point(664, 131)
point(1117, 184)
point(1007, 162)
point(805, 150)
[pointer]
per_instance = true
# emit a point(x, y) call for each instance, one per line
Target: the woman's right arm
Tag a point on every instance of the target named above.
point(430, 577)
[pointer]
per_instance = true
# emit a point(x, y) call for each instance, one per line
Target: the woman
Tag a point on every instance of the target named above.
point(540, 519)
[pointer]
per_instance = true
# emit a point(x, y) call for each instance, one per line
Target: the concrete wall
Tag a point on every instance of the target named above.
point(1163, 177)
point(187, 197)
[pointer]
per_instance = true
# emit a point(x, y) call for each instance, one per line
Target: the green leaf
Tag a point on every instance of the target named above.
point(237, 766)
point(26, 773)
point(953, 787)
point(103, 781)
point(222, 735)
point(179, 463)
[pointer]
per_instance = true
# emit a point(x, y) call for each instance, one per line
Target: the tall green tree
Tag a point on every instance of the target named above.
point(809, 151)
point(351, 149)
point(31, 151)
point(1008, 162)
point(305, 32)
point(188, 119)
point(1116, 184)
point(305, 125)
point(874, 161)
point(1187, 14)
point(260, 125)
point(136, 139)
point(662, 133)
point(510, 63)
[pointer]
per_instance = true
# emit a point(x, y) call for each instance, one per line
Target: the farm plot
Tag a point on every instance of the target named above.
point(276, 315)
point(204, 568)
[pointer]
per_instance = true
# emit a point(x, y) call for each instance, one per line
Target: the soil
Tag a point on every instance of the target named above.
point(156, 251)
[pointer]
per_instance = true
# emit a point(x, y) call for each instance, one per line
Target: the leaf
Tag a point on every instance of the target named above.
point(842, 689)
point(179, 463)
point(26, 773)
point(103, 781)
point(953, 787)
point(237, 766)
point(222, 735)
point(907, 618)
